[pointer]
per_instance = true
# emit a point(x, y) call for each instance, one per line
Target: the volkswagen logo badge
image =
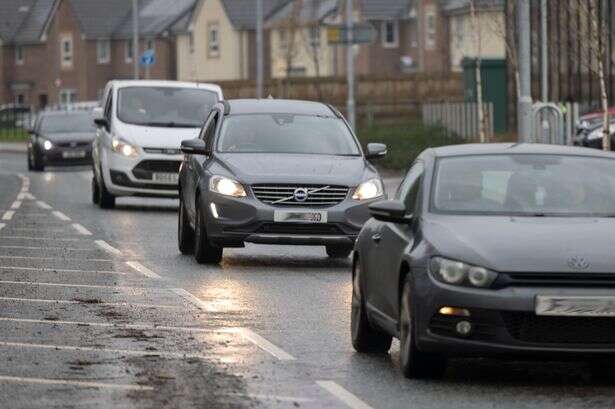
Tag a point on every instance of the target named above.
point(300, 194)
point(578, 263)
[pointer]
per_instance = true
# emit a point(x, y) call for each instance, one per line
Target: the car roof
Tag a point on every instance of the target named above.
point(163, 83)
point(279, 106)
point(516, 148)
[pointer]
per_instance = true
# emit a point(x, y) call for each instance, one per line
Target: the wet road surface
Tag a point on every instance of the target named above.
point(98, 309)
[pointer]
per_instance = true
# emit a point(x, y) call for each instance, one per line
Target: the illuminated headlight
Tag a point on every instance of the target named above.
point(47, 145)
point(598, 133)
point(123, 148)
point(369, 190)
point(226, 186)
point(458, 273)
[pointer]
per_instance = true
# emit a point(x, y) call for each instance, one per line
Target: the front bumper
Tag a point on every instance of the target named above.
point(250, 220)
point(67, 156)
point(504, 322)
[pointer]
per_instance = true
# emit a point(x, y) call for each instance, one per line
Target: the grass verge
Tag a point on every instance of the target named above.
point(13, 135)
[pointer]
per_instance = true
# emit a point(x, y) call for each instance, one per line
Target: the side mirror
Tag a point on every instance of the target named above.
point(97, 113)
point(392, 211)
point(194, 147)
point(102, 123)
point(376, 151)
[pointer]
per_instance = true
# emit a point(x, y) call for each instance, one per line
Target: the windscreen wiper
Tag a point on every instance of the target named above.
point(171, 124)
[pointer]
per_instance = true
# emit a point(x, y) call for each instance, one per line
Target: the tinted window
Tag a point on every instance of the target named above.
point(69, 123)
point(287, 133)
point(165, 106)
point(525, 185)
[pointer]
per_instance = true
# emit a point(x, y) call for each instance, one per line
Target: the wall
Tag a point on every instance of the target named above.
point(303, 54)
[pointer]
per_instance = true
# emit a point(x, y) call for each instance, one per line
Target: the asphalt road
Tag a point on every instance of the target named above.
point(99, 309)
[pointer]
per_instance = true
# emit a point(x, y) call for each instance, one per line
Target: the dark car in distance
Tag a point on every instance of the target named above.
point(61, 138)
point(490, 250)
point(275, 172)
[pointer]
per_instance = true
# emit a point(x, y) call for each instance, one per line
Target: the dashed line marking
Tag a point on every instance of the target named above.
point(143, 270)
point(263, 344)
point(38, 238)
point(60, 270)
point(343, 395)
point(16, 205)
point(46, 248)
point(60, 215)
point(191, 299)
point(59, 258)
point(43, 205)
point(85, 302)
point(8, 215)
point(111, 287)
point(81, 230)
point(108, 248)
point(81, 384)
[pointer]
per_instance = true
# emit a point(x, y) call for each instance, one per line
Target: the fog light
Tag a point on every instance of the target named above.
point(463, 328)
point(214, 210)
point(459, 312)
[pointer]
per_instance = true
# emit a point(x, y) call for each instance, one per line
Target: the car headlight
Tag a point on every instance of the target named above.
point(226, 186)
point(47, 145)
point(368, 190)
point(458, 273)
point(123, 148)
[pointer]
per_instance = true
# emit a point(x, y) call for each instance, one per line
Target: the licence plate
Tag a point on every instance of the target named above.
point(73, 154)
point(281, 216)
point(166, 177)
point(575, 306)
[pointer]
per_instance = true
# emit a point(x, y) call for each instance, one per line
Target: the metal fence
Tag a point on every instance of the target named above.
point(460, 118)
point(15, 121)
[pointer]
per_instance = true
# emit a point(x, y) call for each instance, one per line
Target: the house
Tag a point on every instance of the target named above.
point(462, 35)
point(217, 41)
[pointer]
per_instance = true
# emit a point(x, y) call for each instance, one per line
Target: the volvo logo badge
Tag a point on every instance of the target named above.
point(578, 263)
point(300, 194)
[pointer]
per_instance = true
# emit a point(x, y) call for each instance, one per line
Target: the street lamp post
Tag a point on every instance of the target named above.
point(259, 48)
point(135, 37)
point(350, 63)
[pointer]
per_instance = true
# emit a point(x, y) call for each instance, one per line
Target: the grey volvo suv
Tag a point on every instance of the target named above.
point(275, 172)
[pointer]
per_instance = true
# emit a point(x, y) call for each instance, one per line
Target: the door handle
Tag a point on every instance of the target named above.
point(377, 237)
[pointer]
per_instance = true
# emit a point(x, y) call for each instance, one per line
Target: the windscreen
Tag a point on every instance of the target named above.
point(287, 133)
point(165, 106)
point(532, 185)
point(68, 123)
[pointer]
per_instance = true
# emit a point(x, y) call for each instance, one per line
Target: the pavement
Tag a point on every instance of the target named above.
point(13, 147)
point(98, 309)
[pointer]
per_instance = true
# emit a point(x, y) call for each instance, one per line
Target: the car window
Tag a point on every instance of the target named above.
point(408, 191)
point(67, 123)
point(203, 133)
point(210, 133)
point(109, 106)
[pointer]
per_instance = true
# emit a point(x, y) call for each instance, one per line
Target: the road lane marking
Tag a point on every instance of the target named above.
point(60, 270)
point(60, 215)
point(8, 215)
point(38, 238)
point(165, 354)
point(107, 247)
point(45, 248)
point(2, 226)
point(38, 229)
point(85, 302)
point(262, 343)
point(343, 395)
point(43, 205)
point(112, 287)
point(24, 196)
point(97, 260)
point(16, 205)
point(277, 398)
point(192, 299)
point(81, 230)
point(81, 384)
point(143, 270)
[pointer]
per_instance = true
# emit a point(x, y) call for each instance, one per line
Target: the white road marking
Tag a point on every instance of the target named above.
point(46, 248)
point(113, 287)
point(38, 229)
point(277, 398)
point(58, 258)
point(2, 226)
point(81, 230)
point(81, 384)
point(117, 304)
point(8, 215)
point(191, 299)
point(43, 205)
point(60, 270)
point(101, 349)
point(54, 239)
point(60, 215)
point(24, 196)
point(343, 395)
point(108, 248)
point(16, 204)
point(143, 270)
point(262, 343)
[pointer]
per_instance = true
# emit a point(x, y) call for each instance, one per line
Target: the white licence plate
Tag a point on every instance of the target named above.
point(575, 306)
point(73, 154)
point(282, 216)
point(166, 177)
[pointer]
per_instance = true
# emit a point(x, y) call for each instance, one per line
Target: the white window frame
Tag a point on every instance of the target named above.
point(213, 44)
point(431, 31)
point(103, 51)
point(67, 96)
point(384, 31)
point(67, 56)
point(20, 58)
point(129, 53)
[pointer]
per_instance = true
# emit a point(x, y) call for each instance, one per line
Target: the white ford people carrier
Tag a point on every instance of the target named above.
point(140, 127)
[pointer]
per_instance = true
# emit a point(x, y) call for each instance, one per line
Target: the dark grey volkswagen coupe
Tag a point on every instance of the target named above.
point(500, 249)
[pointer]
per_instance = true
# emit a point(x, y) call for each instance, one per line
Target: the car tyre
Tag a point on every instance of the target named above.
point(105, 199)
point(414, 363)
point(339, 251)
point(37, 164)
point(185, 232)
point(30, 167)
point(204, 251)
point(365, 338)
point(95, 191)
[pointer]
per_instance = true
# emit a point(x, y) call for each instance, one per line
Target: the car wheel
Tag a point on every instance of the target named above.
point(95, 191)
point(185, 232)
point(30, 160)
point(365, 338)
point(204, 251)
point(414, 363)
point(105, 199)
point(37, 164)
point(339, 251)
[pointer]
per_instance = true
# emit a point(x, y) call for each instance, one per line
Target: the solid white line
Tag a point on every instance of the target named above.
point(43, 205)
point(38, 238)
point(38, 229)
point(108, 248)
point(143, 270)
point(263, 344)
point(82, 384)
point(81, 230)
point(60, 215)
point(16, 204)
point(113, 287)
point(8, 215)
point(100, 349)
point(343, 395)
point(46, 248)
point(58, 258)
point(268, 397)
point(60, 270)
point(191, 299)
point(117, 304)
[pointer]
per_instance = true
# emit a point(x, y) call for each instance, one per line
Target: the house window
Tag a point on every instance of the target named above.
point(459, 32)
point(431, 29)
point(20, 99)
point(283, 39)
point(128, 51)
point(103, 51)
point(66, 44)
point(213, 40)
point(390, 34)
point(19, 57)
point(68, 96)
point(150, 45)
point(315, 37)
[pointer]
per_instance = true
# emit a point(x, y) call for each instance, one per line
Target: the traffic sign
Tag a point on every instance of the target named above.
point(148, 58)
point(362, 33)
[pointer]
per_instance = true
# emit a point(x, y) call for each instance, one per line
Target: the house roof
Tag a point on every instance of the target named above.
point(311, 11)
point(242, 13)
point(387, 9)
point(24, 21)
point(463, 6)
